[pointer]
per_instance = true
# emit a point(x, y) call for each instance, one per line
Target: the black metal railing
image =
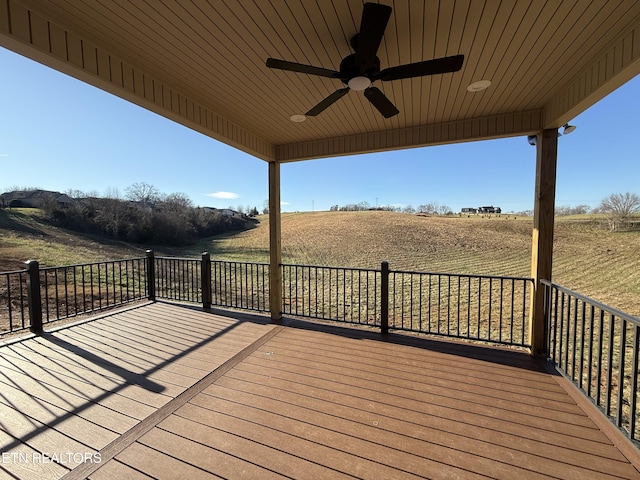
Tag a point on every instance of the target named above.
point(178, 279)
point(78, 289)
point(36, 296)
point(332, 293)
point(474, 307)
point(14, 309)
point(596, 347)
point(243, 285)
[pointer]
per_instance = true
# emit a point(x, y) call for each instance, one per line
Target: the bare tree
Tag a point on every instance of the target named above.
point(430, 208)
point(111, 212)
point(445, 210)
point(569, 210)
point(75, 193)
point(142, 192)
point(619, 207)
point(178, 202)
point(409, 209)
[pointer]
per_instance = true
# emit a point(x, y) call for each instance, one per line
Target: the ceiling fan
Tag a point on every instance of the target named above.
point(360, 69)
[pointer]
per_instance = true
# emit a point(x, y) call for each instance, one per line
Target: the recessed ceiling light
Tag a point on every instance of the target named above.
point(297, 118)
point(479, 85)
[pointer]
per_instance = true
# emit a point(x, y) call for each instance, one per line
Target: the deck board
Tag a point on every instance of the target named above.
point(463, 386)
point(233, 396)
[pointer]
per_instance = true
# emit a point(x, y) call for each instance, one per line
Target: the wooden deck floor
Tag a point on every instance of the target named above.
point(167, 391)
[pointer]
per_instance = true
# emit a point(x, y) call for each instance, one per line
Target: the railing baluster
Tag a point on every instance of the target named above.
point(439, 297)
point(590, 352)
point(56, 292)
point(479, 307)
point(75, 290)
point(568, 335)
point(607, 408)
point(599, 350)
point(429, 330)
point(621, 371)
point(468, 307)
point(500, 313)
point(575, 339)
point(490, 305)
point(7, 277)
point(448, 304)
point(582, 337)
point(633, 400)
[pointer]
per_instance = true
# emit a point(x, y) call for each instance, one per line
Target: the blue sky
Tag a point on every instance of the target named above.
point(58, 133)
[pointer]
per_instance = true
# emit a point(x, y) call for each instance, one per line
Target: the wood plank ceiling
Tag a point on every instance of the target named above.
point(202, 63)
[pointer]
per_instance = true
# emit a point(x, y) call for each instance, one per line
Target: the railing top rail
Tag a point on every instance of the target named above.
point(103, 262)
point(595, 303)
point(468, 275)
point(266, 264)
point(180, 259)
point(357, 269)
point(13, 272)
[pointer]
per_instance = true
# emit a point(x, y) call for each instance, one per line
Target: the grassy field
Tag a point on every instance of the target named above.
point(587, 258)
point(25, 236)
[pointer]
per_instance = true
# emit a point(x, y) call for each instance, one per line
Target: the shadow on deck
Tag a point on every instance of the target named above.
point(168, 391)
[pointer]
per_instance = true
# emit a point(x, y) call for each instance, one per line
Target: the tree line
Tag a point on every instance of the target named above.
point(143, 215)
point(619, 210)
point(431, 208)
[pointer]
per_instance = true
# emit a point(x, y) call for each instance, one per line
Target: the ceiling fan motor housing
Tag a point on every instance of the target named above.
point(349, 69)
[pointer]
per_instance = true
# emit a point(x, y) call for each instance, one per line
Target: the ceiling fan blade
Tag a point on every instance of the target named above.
point(300, 68)
point(419, 69)
point(372, 26)
point(327, 102)
point(382, 103)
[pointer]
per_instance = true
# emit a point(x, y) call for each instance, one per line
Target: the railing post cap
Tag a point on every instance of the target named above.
point(31, 262)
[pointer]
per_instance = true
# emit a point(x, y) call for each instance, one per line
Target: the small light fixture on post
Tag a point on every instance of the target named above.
point(566, 130)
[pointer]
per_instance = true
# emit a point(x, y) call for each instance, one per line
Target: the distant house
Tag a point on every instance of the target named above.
point(227, 212)
point(489, 209)
point(34, 198)
point(470, 211)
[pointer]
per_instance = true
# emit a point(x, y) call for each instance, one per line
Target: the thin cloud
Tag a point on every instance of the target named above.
point(224, 195)
point(285, 203)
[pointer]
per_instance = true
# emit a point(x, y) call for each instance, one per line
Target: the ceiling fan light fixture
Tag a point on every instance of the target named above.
point(298, 118)
point(359, 83)
point(479, 86)
point(567, 129)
